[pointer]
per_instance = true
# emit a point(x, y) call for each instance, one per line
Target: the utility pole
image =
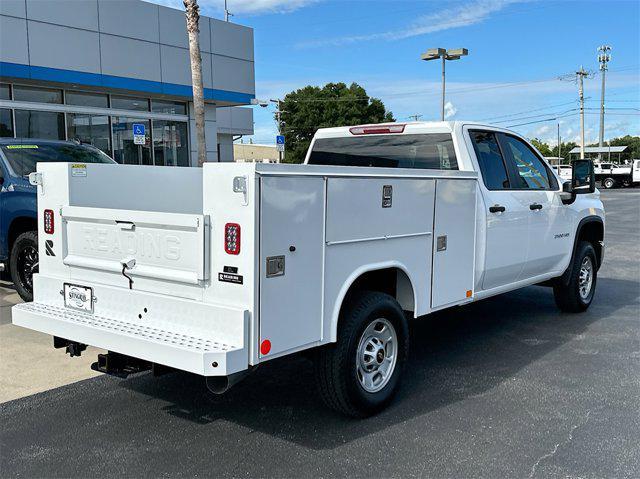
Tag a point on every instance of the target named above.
point(227, 14)
point(559, 157)
point(580, 74)
point(603, 58)
point(415, 117)
point(279, 122)
point(435, 53)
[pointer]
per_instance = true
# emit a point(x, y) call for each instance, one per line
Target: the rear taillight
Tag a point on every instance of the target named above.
point(232, 238)
point(48, 222)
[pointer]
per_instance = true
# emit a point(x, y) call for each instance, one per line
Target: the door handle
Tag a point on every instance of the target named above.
point(125, 225)
point(497, 209)
point(535, 206)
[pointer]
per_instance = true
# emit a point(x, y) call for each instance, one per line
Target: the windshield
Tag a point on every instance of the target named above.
point(430, 151)
point(23, 157)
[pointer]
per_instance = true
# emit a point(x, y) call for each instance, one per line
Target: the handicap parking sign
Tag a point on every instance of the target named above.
point(279, 140)
point(138, 134)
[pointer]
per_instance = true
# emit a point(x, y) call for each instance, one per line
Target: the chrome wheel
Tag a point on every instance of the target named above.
point(376, 355)
point(585, 278)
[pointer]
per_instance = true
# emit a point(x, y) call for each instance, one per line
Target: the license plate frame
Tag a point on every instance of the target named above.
point(78, 300)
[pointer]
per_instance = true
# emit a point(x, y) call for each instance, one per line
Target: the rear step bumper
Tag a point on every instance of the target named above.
point(154, 341)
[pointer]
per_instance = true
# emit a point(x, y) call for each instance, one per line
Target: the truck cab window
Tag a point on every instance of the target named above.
point(490, 160)
point(432, 151)
point(530, 172)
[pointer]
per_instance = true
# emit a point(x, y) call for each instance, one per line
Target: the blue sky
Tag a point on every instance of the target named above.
point(517, 51)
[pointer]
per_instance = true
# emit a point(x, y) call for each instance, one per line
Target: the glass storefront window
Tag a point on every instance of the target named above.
point(90, 129)
point(35, 94)
point(82, 98)
point(170, 145)
point(169, 107)
point(5, 91)
point(6, 123)
point(130, 103)
point(46, 125)
point(125, 151)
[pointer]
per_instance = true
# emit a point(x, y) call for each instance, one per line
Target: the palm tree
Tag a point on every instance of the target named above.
point(193, 28)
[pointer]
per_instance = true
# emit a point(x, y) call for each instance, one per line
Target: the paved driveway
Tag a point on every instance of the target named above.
point(507, 387)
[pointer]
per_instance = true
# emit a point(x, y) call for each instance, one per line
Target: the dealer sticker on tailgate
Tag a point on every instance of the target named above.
point(78, 297)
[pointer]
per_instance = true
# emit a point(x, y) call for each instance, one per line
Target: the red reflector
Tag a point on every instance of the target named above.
point(232, 238)
point(376, 129)
point(48, 222)
point(265, 347)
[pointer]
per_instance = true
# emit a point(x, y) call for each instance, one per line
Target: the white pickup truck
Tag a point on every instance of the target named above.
point(217, 270)
point(610, 175)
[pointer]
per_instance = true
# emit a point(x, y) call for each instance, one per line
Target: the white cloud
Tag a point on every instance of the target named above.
point(461, 15)
point(208, 7)
point(449, 110)
point(542, 131)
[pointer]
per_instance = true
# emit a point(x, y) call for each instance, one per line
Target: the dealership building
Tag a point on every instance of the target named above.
point(95, 70)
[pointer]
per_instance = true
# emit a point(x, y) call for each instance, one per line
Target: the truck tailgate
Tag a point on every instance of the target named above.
point(165, 246)
point(205, 339)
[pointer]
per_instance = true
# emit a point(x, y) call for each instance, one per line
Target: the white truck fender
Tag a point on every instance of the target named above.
point(351, 279)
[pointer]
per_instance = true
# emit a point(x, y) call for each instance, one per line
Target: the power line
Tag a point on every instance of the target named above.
point(528, 111)
point(544, 120)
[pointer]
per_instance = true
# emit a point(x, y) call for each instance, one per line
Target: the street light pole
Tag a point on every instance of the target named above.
point(444, 61)
point(436, 53)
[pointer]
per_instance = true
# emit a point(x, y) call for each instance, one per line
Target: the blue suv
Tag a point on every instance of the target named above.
point(18, 209)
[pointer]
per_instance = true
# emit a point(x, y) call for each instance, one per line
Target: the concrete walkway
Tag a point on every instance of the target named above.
point(28, 362)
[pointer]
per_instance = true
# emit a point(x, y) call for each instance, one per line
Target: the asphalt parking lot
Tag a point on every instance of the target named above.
point(507, 387)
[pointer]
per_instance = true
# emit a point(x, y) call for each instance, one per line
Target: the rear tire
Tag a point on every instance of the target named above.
point(23, 263)
point(608, 183)
point(359, 375)
point(576, 296)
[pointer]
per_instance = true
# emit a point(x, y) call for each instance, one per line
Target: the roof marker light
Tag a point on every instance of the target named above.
point(377, 129)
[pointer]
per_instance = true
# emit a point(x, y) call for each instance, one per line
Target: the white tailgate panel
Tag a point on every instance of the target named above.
point(455, 218)
point(166, 246)
point(292, 214)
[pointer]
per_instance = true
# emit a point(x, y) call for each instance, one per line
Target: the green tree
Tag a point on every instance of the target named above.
point(548, 150)
point(633, 143)
point(542, 147)
point(309, 108)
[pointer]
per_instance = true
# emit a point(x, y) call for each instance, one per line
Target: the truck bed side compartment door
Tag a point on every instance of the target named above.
point(291, 262)
point(454, 241)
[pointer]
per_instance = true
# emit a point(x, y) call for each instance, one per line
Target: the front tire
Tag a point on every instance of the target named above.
point(577, 295)
point(608, 183)
point(359, 375)
point(23, 263)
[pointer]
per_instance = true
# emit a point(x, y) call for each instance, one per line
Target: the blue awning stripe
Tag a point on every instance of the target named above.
point(17, 70)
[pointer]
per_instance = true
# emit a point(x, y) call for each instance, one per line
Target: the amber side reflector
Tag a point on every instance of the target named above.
point(469, 293)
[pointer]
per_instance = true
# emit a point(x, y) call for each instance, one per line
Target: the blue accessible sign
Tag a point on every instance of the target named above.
point(138, 134)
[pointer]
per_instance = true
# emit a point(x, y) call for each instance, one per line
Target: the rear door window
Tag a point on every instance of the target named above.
point(428, 151)
point(490, 160)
